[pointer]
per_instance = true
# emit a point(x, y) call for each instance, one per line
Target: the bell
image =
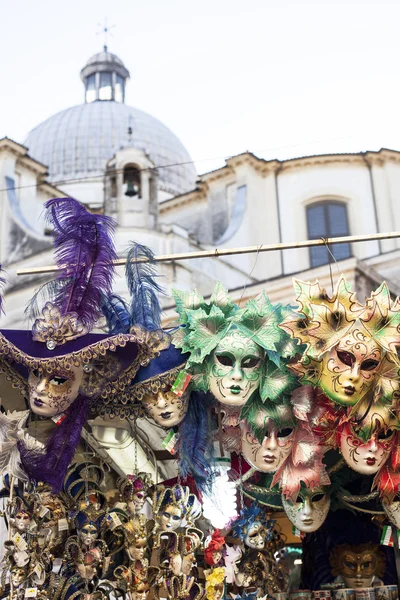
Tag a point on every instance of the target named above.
point(132, 189)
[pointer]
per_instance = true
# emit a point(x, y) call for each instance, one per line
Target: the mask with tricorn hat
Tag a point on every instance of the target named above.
point(60, 366)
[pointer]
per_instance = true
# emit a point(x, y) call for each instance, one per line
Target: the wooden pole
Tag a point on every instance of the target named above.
point(349, 239)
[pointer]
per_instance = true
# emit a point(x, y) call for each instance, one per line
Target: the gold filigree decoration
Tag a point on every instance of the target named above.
point(55, 329)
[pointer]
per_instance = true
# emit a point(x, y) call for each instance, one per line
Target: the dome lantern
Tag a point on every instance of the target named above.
point(104, 77)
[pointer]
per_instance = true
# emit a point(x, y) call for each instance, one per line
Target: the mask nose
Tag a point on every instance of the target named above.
point(42, 384)
point(161, 401)
point(270, 441)
point(355, 373)
point(307, 510)
point(237, 374)
point(373, 446)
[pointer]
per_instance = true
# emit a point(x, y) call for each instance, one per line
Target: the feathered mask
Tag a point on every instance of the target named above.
point(246, 520)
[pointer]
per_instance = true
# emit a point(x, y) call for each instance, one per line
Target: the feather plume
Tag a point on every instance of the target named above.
point(2, 284)
point(84, 252)
point(117, 314)
point(51, 465)
point(143, 288)
point(195, 442)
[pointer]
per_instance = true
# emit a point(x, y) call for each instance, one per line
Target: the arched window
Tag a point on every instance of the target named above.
point(327, 219)
point(131, 181)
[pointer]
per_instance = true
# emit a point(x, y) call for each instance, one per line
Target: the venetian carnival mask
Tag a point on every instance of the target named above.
point(136, 504)
point(17, 576)
point(137, 550)
point(255, 536)
point(166, 408)
point(170, 517)
point(22, 521)
point(348, 370)
point(50, 394)
point(357, 565)
point(309, 510)
point(274, 449)
point(88, 534)
point(234, 369)
point(366, 457)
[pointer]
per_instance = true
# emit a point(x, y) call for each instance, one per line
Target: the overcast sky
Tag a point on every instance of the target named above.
point(282, 79)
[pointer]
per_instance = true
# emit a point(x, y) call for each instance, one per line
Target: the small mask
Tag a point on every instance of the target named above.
point(348, 370)
point(357, 565)
point(169, 518)
point(274, 450)
point(234, 369)
point(22, 521)
point(366, 457)
point(51, 394)
point(88, 534)
point(166, 408)
point(309, 510)
point(137, 551)
point(136, 504)
point(18, 576)
point(255, 536)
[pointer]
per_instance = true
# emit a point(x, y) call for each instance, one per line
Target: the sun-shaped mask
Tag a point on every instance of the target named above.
point(350, 347)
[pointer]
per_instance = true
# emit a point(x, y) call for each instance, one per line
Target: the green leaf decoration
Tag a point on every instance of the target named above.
point(384, 327)
point(221, 299)
point(187, 301)
point(206, 331)
point(257, 414)
point(259, 320)
point(199, 381)
point(274, 357)
point(275, 382)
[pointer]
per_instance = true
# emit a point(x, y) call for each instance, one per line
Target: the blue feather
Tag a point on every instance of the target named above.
point(143, 288)
point(116, 313)
point(195, 442)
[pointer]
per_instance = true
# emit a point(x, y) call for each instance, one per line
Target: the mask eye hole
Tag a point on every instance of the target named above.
point(350, 565)
point(369, 364)
point(366, 565)
point(299, 499)
point(318, 497)
point(58, 380)
point(282, 433)
point(385, 435)
point(249, 362)
point(225, 360)
point(347, 358)
point(36, 373)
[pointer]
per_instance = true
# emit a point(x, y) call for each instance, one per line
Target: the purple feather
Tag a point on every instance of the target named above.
point(84, 251)
point(51, 466)
point(2, 284)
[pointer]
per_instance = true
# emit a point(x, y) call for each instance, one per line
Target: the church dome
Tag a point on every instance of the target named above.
point(77, 143)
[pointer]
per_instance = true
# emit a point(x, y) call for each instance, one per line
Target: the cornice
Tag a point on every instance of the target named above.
point(328, 159)
point(32, 165)
point(200, 194)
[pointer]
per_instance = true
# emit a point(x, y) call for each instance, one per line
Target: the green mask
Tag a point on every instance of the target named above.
point(234, 369)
